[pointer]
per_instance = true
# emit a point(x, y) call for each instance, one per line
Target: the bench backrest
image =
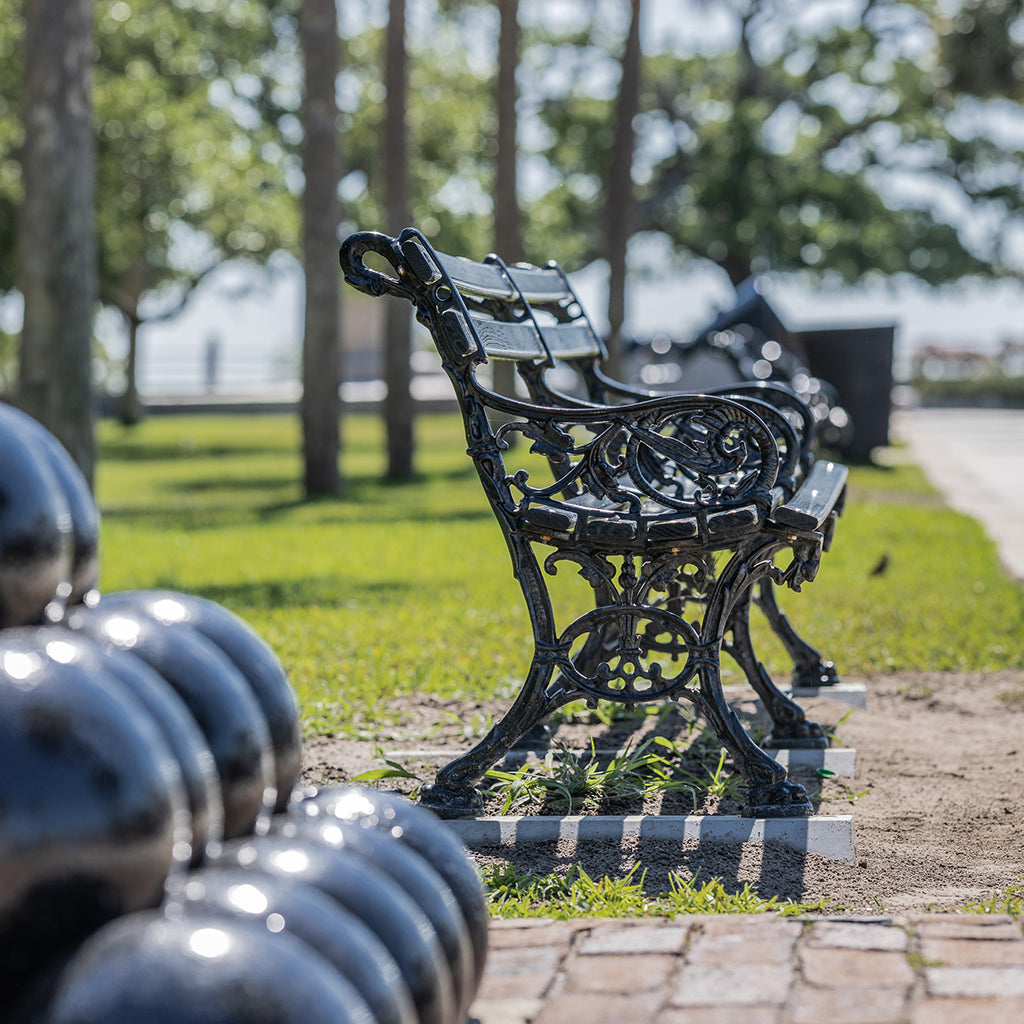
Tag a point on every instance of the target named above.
point(520, 312)
point(683, 454)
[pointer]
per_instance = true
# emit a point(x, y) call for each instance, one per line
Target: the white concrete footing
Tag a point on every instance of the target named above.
point(827, 835)
point(855, 695)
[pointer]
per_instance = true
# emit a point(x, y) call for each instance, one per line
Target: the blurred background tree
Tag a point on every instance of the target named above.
point(56, 224)
point(195, 123)
point(841, 142)
point(828, 142)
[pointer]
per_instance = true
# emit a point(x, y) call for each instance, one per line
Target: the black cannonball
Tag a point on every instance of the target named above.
point(418, 828)
point(175, 722)
point(35, 530)
point(215, 693)
point(411, 873)
point(150, 968)
point(251, 655)
point(371, 896)
point(92, 808)
point(85, 514)
point(283, 904)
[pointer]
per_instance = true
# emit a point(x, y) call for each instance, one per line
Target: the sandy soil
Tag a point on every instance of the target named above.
point(937, 802)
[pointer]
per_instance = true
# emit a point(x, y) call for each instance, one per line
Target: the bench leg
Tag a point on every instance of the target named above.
point(769, 793)
point(454, 792)
point(809, 668)
point(791, 728)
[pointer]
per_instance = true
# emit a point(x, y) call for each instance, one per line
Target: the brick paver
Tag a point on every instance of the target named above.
point(757, 968)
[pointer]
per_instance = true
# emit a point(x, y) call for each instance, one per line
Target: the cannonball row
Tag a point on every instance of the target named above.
point(157, 861)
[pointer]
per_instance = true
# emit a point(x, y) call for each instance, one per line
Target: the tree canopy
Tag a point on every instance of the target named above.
point(818, 137)
point(843, 140)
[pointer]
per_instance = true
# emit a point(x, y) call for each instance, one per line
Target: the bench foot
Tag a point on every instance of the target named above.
point(819, 673)
point(809, 667)
point(452, 803)
point(797, 735)
point(781, 799)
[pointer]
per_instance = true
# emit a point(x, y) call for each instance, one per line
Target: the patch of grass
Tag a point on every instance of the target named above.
point(569, 783)
point(394, 589)
point(1005, 901)
point(575, 894)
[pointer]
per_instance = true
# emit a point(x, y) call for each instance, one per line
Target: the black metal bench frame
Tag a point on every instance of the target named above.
point(674, 511)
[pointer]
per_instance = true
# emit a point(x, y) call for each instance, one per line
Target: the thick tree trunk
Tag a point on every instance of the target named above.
point(507, 237)
point(57, 273)
point(321, 349)
point(398, 409)
point(620, 206)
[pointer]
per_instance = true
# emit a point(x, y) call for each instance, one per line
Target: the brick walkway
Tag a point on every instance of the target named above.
point(755, 969)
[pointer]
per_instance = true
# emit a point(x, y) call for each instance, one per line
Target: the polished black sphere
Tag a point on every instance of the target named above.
point(35, 529)
point(85, 514)
point(174, 720)
point(418, 828)
point(283, 904)
point(215, 693)
point(251, 655)
point(370, 895)
point(412, 874)
point(93, 816)
point(150, 968)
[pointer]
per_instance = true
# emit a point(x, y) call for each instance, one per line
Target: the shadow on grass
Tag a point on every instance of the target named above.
point(769, 870)
point(132, 451)
point(303, 593)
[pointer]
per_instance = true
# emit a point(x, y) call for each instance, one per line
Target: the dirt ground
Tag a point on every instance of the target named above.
point(937, 801)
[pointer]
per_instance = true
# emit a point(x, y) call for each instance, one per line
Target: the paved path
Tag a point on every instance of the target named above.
point(975, 457)
point(765, 969)
point(755, 969)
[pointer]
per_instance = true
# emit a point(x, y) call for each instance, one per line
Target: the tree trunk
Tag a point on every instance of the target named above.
point(620, 189)
point(321, 348)
point(507, 237)
point(57, 273)
point(398, 408)
point(130, 408)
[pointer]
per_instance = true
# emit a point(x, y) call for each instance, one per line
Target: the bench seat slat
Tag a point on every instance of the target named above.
point(488, 281)
point(571, 341)
point(483, 279)
point(503, 340)
point(816, 497)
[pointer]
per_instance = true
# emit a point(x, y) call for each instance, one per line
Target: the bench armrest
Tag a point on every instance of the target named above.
point(816, 499)
point(681, 452)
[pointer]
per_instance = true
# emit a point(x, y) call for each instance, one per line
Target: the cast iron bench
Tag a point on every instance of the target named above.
point(671, 510)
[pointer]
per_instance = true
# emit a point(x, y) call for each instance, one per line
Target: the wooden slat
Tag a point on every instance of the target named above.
point(482, 279)
point(571, 341)
point(502, 340)
point(816, 497)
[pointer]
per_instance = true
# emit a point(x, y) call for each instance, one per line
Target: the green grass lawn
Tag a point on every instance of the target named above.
point(394, 589)
point(403, 588)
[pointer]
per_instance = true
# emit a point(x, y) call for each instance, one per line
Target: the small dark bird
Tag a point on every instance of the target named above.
point(880, 566)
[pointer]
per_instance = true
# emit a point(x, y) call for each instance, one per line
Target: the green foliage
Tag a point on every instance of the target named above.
point(11, 30)
point(1006, 901)
point(192, 166)
point(812, 142)
point(991, 389)
point(512, 894)
point(570, 783)
point(391, 590)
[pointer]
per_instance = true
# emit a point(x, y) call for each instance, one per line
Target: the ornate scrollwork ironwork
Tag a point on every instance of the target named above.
point(682, 459)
